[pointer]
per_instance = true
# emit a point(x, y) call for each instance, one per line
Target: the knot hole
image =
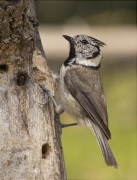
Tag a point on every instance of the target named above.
point(45, 150)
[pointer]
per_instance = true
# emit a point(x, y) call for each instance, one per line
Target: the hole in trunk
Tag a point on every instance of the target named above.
point(21, 79)
point(45, 150)
point(3, 67)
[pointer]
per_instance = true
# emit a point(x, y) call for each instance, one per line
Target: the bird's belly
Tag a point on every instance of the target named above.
point(71, 106)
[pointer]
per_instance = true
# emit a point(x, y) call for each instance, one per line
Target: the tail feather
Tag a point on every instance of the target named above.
point(104, 146)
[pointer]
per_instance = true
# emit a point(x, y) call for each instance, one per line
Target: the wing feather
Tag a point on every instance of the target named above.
point(83, 90)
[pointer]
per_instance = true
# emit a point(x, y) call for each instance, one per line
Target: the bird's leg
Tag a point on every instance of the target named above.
point(59, 110)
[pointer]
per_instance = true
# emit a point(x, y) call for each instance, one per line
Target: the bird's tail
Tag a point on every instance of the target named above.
point(104, 146)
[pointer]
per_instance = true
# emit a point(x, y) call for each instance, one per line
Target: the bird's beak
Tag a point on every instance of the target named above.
point(68, 38)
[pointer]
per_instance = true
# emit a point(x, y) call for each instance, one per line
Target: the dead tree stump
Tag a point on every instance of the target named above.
point(28, 149)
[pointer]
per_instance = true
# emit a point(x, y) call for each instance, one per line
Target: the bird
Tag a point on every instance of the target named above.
point(81, 90)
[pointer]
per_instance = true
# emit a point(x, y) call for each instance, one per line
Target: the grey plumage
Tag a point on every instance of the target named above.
point(81, 90)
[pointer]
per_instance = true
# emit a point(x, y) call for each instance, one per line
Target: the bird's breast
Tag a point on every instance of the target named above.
point(71, 106)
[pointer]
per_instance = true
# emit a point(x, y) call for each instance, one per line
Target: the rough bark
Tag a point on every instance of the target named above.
point(28, 149)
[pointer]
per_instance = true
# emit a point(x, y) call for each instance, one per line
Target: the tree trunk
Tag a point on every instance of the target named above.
point(28, 149)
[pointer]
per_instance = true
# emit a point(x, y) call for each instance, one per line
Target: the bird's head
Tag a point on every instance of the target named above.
point(85, 49)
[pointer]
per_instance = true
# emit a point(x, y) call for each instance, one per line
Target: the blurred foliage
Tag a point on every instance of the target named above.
point(82, 155)
point(92, 12)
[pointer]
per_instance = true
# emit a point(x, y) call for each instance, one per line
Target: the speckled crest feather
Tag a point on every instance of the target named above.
point(90, 39)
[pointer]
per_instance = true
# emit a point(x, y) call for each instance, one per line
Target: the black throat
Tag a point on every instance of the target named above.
point(72, 55)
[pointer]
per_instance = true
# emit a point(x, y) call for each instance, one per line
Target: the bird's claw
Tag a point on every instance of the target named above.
point(60, 125)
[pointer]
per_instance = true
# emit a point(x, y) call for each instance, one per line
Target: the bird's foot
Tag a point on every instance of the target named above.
point(47, 95)
point(60, 125)
point(59, 110)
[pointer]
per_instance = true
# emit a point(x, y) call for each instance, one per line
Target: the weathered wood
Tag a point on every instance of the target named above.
point(28, 149)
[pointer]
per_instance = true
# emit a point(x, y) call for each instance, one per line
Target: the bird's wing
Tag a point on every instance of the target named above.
point(85, 86)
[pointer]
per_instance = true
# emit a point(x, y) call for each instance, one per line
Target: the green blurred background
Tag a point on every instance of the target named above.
point(113, 22)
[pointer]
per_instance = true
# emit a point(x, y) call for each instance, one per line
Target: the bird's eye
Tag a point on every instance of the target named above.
point(84, 42)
